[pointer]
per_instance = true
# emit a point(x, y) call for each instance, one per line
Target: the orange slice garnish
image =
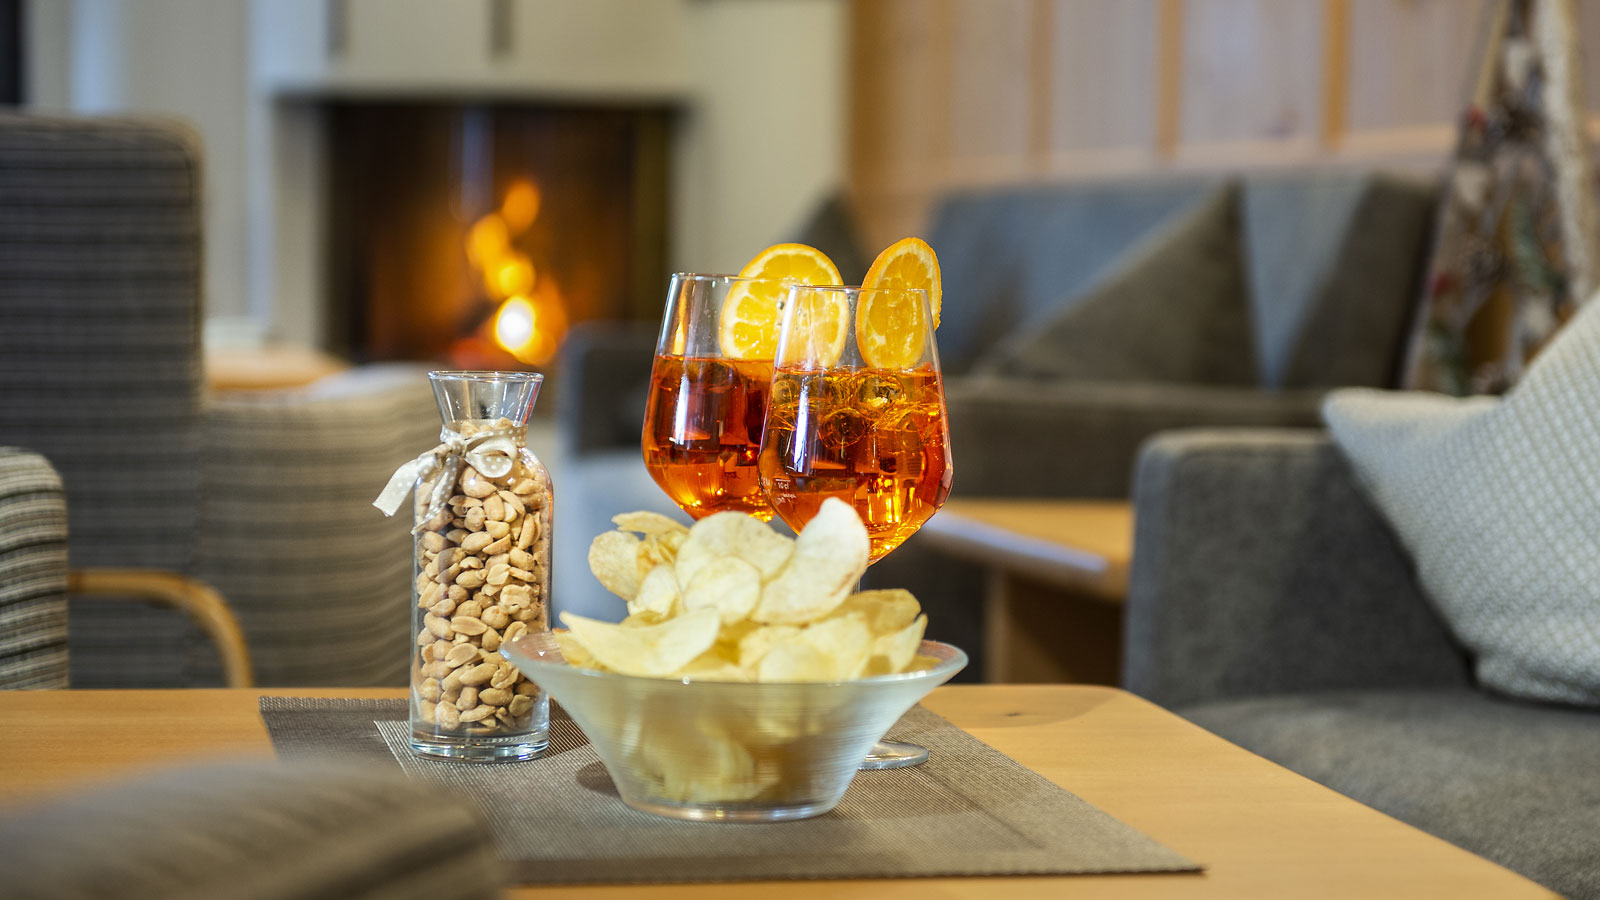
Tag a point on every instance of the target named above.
point(818, 328)
point(892, 329)
point(748, 327)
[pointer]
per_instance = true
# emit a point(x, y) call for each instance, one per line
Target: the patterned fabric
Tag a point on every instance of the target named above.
point(99, 355)
point(1175, 309)
point(1498, 502)
point(33, 573)
point(259, 831)
point(1518, 244)
point(320, 581)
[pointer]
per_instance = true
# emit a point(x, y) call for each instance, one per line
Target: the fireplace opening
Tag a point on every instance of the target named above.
point(474, 235)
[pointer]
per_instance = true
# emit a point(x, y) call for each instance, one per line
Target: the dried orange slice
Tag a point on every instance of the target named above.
point(748, 327)
point(892, 329)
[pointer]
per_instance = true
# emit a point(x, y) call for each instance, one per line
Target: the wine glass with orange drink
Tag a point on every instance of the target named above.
point(710, 378)
point(856, 410)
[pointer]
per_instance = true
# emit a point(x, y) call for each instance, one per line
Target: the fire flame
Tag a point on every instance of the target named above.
point(530, 321)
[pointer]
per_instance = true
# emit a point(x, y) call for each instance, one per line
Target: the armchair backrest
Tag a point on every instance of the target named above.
point(100, 297)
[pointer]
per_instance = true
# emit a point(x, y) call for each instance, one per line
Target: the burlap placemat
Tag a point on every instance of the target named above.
point(970, 810)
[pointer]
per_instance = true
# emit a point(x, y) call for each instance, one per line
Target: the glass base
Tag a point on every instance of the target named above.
point(894, 755)
point(731, 813)
point(509, 748)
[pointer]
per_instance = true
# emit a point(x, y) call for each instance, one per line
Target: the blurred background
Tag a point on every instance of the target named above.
point(1209, 211)
point(351, 145)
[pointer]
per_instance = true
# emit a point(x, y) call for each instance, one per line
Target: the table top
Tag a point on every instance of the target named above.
point(1259, 829)
point(1083, 544)
point(268, 368)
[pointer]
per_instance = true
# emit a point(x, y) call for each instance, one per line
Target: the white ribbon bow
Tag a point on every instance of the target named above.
point(491, 451)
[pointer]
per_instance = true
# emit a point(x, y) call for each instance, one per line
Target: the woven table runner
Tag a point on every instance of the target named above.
point(970, 810)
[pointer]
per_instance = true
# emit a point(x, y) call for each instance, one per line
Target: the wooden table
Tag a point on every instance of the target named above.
point(1057, 576)
point(1260, 830)
point(268, 368)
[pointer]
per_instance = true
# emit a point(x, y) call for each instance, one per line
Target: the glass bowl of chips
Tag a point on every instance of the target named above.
point(733, 751)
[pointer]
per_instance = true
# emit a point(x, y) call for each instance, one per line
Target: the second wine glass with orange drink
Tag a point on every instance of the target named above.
point(856, 410)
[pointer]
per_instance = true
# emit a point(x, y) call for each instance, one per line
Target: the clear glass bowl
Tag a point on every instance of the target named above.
point(729, 751)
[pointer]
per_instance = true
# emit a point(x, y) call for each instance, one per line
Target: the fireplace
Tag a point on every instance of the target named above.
point(475, 234)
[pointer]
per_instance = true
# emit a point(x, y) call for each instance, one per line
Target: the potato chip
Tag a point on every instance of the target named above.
point(652, 553)
point(727, 584)
point(642, 618)
point(658, 593)
point(614, 560)
point(829, 557)
point(887, 611)
point(713, 665)
point(794, 663)
point(652, 651)
point(836, 649)
point(754, 644)
point(573, 651)
point(892, 653)
point(648, 523)
point(705, 765)
point(737, 535)
point(672, 540)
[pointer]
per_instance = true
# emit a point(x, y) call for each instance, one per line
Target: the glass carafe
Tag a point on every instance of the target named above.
point(482, 574)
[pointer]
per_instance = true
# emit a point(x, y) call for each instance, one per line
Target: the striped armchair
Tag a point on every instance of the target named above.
point(265, 497)
point(33, 573)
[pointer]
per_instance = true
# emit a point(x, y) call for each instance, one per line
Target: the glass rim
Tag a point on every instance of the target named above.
point(713, 276)
point(947, 667)
point(484, 375)
point(857, 289)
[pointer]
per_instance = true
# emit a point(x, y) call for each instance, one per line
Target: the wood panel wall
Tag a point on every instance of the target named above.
point(961, 93)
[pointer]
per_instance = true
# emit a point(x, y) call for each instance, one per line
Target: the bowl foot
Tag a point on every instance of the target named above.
point(710, 812)
point(894, 755)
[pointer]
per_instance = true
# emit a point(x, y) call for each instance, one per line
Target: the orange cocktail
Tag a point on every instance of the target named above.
point(874, 438)
point(702, 431)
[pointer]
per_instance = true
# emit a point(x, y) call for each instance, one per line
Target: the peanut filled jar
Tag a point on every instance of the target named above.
point(482, 572)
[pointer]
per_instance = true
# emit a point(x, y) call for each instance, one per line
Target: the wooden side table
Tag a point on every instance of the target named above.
point(1058, 573)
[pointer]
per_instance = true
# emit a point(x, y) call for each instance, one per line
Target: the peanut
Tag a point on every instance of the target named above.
point(429, 689)
point(468, 625)
point(480, 673)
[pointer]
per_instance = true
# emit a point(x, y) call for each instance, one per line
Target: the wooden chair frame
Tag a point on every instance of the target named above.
point(197, 599)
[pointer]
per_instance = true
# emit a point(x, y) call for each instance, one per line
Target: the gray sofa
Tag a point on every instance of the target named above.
point(1332, 262)
point(1271, 604)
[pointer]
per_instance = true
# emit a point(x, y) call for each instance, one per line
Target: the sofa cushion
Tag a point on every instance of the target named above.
point(1510, 781)
point(1174, 309)
point(1498, 503)
point(1334, 260)
point(1011, 255)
